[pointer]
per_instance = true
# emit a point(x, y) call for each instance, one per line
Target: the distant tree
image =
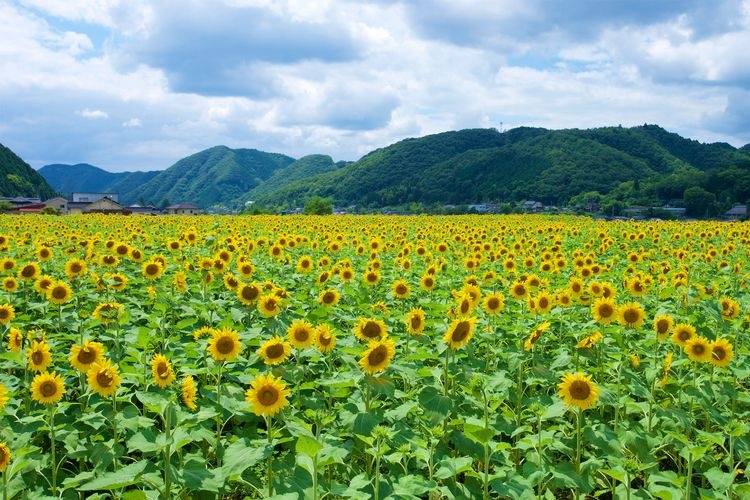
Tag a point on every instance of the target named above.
point(316, 205)
point(5, 206)
point(697, 201)
point(164, 203)
point(50, 211)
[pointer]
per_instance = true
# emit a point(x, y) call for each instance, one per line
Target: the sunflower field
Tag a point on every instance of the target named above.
point(373, 357)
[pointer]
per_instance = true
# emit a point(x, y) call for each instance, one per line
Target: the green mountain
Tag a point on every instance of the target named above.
point(553, 166)
point(83, 177)
point(17, 178)
point(213, 177)
point(299, 170)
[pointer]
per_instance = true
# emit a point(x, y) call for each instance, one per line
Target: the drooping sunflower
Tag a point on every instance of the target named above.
point(116, 281)
point(3, 396)
point(663, 326)
point(578, 391)
point(180, 282)
point(698, 349)
point(107, 312)
point(162, 371)
point(267, 395)
point(460, 332)
point(275, 351)
point(370, 329)
point(604, 310)
point(494, 303)
point(103, 377)
point(590, 341)
point(5, 456)
point(301, 334)
point(415, 321)
point(722, 353)
point(28, 271)
point(325, 339)
point(230, 281)
point(39, 356)
point(682, 333)
point(59, 293)
point(7, 313)
point(535, 335)
point(631, 314)
point(200, 332)
point(269, 305)
point(47, 388)
point(400, 289)
point(378, 356)
point(83, 357)
point(730, 308)
point(224, 344)
point(189, 392)
point(329, 297)
point(15, 340)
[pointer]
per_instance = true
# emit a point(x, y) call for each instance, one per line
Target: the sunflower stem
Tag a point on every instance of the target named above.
point(114, 430)
point(579, 438)
point(368, 394)
point(446, 383)
point(269, 466)
point(53, 460)
point(5, 484)
point(219, 416)
point(168, 450)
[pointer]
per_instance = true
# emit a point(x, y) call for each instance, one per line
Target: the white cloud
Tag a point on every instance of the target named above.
point(132, 122)
point(94, 114)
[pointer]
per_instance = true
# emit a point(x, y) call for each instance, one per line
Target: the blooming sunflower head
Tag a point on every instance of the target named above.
point(162, 371)
point(103, 377)
point(224, 344)
point(722, 353)
point(494, 303)
point(604, 310)
point(378, 355)
point(47, 388)
point(663, 324)
point(682, 333)
point(400, 289)
point(415, 321)
point(7, 313)
point(578, 391)
point(59, 293)
point(631, 314)
point(370, 329)
point(83, 356)
point(3, 396)
point(301, 334)
point(275, 351)
point(15, 340)
point(325, 339)
point(189, 392)
point(5, 456)
point(269, 305)
point(267, 395)
point(329, 297)
point(39, 356)
point(107, 312)
point(460, 332)
point(698, 349)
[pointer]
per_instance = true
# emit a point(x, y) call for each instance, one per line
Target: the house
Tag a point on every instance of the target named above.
point(18, 201)
point(141, 210)
point(737, 212)
point(92, 197)
point(532, 206)
point(58, 203)
point(183, 209)
point(105, 205)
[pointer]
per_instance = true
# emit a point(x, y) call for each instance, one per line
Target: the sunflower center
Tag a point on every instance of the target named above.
point(104, 379)
point(59, 292)
point(162, 370)
point(37, 357)
point(493, 303)
point(249, 292)
point(416, 322)
point(372, 277)
point(48, 388)
point(268, 396)
point(225, 345)
point(152, 269)
point(75, 268)
point(324, 339)
point(662, 326)
point(275, 351)
point(699, 349)
point(4, 314)
point(684, 335)
point(580, 389)
point(718, 353)
point(371, 330)
point(630, 315)
point(401, 289)
point(270, 304)
point(377, 356)
point(329, 297)
point(27, 272)
point(301, 335)
point(461, 331)
point(86, 356)
point(606, 310)
point(543, 303)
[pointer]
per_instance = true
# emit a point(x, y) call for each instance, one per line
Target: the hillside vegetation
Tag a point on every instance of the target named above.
point(83, 177)
point(17, 178)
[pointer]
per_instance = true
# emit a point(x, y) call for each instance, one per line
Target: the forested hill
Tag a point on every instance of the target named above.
point(17, 178)
point(83, 177)
point(645, 163)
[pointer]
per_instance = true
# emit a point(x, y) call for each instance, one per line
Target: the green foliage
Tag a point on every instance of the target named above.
point(17, 178)
point(50, 211)
point(697, 201)
point(316, 205)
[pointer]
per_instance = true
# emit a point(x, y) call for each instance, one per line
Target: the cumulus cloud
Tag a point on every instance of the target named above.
point(94, 114)
point(132, 122)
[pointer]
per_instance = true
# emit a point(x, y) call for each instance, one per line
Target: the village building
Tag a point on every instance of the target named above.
point(183, 209)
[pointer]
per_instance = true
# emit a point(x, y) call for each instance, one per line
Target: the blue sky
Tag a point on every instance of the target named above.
point(137, 85)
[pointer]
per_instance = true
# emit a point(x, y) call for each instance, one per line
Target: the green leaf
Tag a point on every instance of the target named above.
point(243, 454)
point(616, 474)
point(382, 385)
point(720, 481)
point(478, 433)
point(364, 423)
point(308, 445)
point(130, 474)
point(449, 467)
point(196, 477)
point(434, 403)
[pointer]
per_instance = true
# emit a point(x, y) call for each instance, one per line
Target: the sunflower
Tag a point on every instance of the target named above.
point(59, 293)
point(162, 371)
point(578, 391)
point(576, 287)
point(275, 351)
point(460, 332)
point(604, 310)
point(82, 357)
point(370, 329)
point(39, 356)
point(304, 264)
point(637, 287)
point(103, 377)
point(427, 282)
point(464, 305)
point(267, 395)
point(3, 396)
point(722, 353)
point(5, 456)
point(269, 305)
point(116, 281)
point(590, 341)
point(200, 332)
point(47, 388)
point(224, 344)
point(15, 340)
point(152, 269)
point(698, 349)
point(300, 334)
point(371, 277)
point(7, 263)
point(378, 356)
point(667, 368)
point(28, 271)
point(663, 326)
point(329, 297)
point(180, 282)
point(75, 267)
point(43, 283)
point(544, 303)
point(415, 321)
point(682, 333)
point(7, 313)
point(248, 293)
point(631, 314)
point(246, 269)
point(400, 289)
point(494, 303)
point(109, 261)
point(730, 308)
point(108, 312)
point(10, 284)
point(188, 392)
point(519, 290)
point(325, 340)
point(535, 335)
